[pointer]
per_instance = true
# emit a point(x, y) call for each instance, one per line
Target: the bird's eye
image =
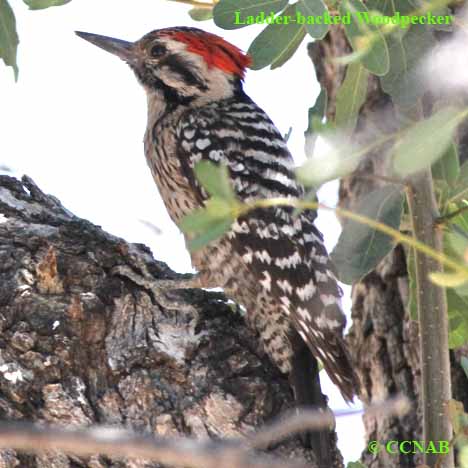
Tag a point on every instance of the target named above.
point(157, 51)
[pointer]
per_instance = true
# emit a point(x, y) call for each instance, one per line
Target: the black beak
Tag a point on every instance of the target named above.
point(123, 49)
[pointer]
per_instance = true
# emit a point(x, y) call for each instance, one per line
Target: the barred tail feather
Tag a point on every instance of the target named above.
point(321, 328)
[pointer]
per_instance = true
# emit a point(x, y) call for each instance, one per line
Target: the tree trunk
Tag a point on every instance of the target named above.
point(83, 345)
point(383, 339)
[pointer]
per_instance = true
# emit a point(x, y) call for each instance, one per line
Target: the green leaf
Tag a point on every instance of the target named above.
point(323, 128)
point(456, 244)
point(462, 458)
point(426, 141)
point(360, 248)
point(234, 14)
point(215, 179)
point(403, 82)
point(406, 48)
point(201, 14)
point(459, 420)
point(457, 416)
point(41, 4)
point(313, 8)
point(289, 51)
point(458, 319)
point(351, 96)
point(441, 191)
point(460, 191)
point(462, 291)
point(353, 57)
point(365, 37)
point(276, 41)
point(201, 219)
point(217, 229)
point(8, 36)
point(442, 10)
point(319, 109)
point(207, 224)
point(456, 240)
point(317, 112)
point(447, 168)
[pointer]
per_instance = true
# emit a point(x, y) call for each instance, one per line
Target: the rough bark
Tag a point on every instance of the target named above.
point(383, 339)
point(80, 345)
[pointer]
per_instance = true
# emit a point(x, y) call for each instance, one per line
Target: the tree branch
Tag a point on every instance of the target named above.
point(119, 443)
point(433, 318)
point(230, 453)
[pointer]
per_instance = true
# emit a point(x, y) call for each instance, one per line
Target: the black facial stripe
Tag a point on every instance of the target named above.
point(183, 68)
point(172, 97)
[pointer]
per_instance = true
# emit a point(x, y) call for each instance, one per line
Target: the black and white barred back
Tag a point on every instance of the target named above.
point(282, 272)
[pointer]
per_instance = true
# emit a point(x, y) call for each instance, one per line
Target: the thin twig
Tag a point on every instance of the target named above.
point(389, 180)
point(397, 406)
point(233, 453)
point(303, 419)
point(196, 3)
point(443, 219)
point(293, 423)
point(117, 443)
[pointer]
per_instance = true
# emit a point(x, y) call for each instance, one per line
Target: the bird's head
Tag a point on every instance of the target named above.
point(183, 64)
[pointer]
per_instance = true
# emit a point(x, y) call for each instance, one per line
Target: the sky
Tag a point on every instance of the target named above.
point(75, 120)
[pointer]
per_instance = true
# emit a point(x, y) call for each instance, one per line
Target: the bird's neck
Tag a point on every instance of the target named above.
point(157, 107)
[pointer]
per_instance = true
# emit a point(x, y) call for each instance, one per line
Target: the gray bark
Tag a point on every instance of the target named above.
point(80, 345)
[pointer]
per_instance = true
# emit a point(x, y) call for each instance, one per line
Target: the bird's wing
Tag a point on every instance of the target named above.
point(243, 137)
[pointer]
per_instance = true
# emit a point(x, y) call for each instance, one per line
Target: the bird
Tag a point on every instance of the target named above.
point(272, 261)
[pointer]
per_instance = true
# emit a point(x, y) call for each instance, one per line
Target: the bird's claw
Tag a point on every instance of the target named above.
point(159, 288)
